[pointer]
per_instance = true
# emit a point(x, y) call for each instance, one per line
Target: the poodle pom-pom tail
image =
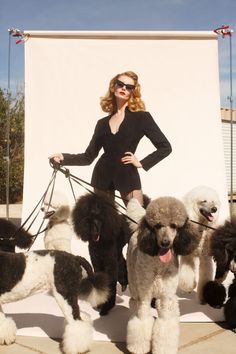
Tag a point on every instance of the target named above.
point(214, 294)
point(94, 289)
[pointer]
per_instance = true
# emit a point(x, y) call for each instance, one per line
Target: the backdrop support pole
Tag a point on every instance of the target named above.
point(7, 157)
point(231, 129)
point(226, 31)
point(13, 32)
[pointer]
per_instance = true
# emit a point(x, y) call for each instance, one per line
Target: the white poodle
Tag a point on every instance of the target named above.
point(202, 204)
point(163, 232)
point(59, 230)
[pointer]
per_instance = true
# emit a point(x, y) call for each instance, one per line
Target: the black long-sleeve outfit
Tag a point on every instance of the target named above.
point(109, 172)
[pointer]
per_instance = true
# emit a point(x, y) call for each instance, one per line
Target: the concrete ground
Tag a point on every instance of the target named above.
point(195, 338)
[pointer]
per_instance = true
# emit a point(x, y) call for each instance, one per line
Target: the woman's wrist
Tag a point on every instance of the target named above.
point(139, 165)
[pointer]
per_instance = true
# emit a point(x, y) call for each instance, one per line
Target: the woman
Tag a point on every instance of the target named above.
point(119, 134)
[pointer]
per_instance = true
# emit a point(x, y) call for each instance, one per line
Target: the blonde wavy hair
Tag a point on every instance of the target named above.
point(135, 103)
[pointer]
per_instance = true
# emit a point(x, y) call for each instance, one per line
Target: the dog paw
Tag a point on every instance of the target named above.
point(123, 288)
point(105, 308)
point(104, 311)
point(7, 330)
point(187, 282)
point(187, 287)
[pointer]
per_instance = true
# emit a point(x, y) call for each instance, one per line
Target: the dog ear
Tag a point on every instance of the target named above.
point(23, 239)
point(221, 255)
point(147, 239)
point(187, 239)
point(61, 214)
point(223, 241)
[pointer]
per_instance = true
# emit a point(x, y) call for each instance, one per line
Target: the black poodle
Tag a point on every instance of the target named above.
point(12, 236)
point(97, 221)
point(223, 247)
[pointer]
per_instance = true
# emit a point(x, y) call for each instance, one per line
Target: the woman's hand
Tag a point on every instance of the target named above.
point(58, 157)
point(131, 158)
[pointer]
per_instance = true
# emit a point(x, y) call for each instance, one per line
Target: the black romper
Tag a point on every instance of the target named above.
point(109, 172)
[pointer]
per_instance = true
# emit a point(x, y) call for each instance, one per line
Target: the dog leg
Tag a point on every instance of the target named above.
point(187, 273)
point(7, 329)
point(205, 275)
point(122, 273)
point(230, 307)
point(110, 303)
point(77, 337)
point(165, 337)
point(139, 329)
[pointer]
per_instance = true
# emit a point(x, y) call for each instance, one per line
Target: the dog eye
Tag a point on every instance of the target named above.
point(203, 201)
point(173, 226)
point(158, 226)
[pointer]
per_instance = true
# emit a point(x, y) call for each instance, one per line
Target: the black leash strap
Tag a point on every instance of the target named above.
point(49, 203)
point(199, 223)
point(40, 203)
point(57, 166)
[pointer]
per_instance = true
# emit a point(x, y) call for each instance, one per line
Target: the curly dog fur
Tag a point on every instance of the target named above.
point(97, 221)
point(223, 245)
point(59, 230)
point(68, 277)
point(202, 204)
point(12, 236)
point(163, 232)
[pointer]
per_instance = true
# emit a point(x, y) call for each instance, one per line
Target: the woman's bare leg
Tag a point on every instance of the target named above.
point(137, 193)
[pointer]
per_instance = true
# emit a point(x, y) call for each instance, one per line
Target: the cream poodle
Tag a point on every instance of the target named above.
point(202, 204)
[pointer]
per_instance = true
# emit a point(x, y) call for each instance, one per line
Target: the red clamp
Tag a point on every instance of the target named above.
point(224, 31)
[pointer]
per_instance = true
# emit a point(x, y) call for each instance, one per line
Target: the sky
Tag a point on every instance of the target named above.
point(135, 15)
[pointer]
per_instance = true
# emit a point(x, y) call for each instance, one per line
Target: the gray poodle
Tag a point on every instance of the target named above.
point(163, 233)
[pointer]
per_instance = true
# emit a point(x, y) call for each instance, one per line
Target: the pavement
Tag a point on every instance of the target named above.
point(195, 338)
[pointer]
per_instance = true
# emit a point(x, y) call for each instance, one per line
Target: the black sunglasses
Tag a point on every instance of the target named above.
point(128, 87)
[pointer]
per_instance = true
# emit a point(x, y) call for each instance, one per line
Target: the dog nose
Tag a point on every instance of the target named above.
point(214, 209)
point(165, 243)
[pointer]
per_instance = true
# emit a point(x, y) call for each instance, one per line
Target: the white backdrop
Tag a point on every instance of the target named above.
point(65, 75)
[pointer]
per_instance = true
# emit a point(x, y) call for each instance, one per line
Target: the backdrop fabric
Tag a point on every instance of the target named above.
point(66, 73)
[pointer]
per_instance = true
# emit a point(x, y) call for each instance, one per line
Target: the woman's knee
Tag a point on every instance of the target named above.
point(137, 194)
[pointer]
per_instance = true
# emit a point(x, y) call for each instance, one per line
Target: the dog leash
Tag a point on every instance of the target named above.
point(199, 223)
point(51, 182)
point(40, 202)
point(57, 167)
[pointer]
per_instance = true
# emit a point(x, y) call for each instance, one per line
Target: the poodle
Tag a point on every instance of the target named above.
point(223, 245)
point(68, 277)
point(97, 221)
point(202, 204)
point(12, 236)
point(59, 231)
point(230, 305)
point(163, 232)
